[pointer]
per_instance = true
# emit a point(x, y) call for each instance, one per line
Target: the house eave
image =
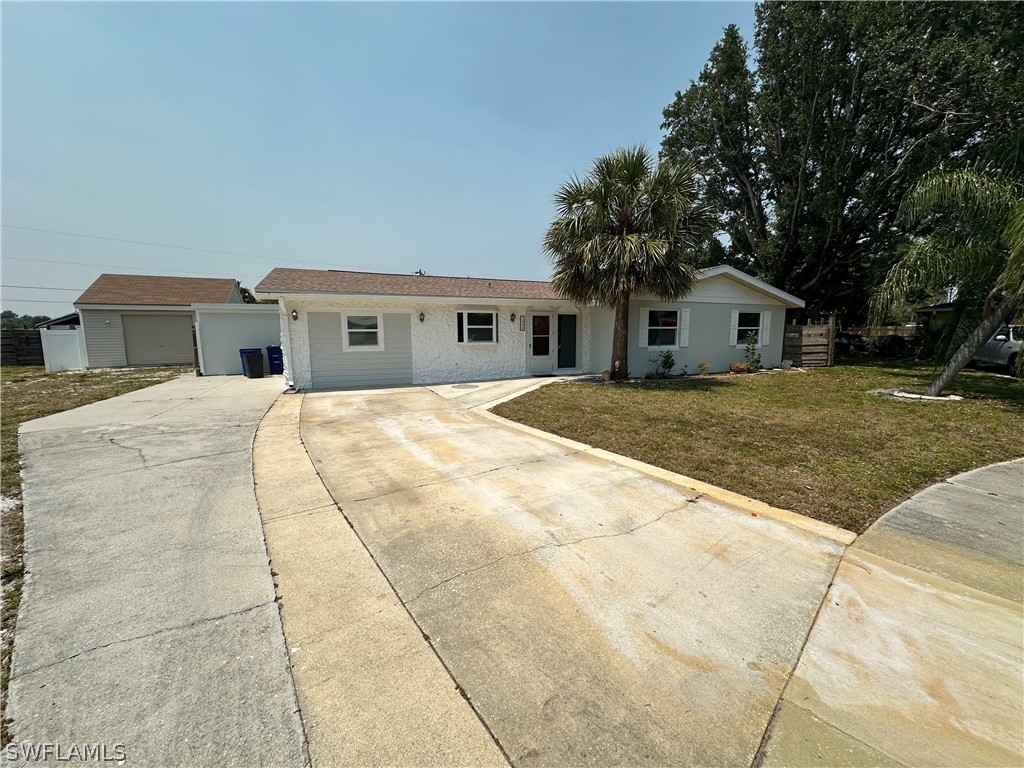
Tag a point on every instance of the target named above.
point(135, 307)
point(403, 297)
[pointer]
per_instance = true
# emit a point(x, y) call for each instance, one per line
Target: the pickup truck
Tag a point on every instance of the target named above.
point(1002, 348)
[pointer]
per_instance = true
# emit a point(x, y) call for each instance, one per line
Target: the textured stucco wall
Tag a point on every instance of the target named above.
point(437, 357)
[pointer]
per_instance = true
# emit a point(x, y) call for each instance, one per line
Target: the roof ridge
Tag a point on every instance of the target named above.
point(413, 274)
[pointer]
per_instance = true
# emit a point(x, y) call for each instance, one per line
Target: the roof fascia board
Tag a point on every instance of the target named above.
point(132, 307)
point(385, 297)
point(233, 307)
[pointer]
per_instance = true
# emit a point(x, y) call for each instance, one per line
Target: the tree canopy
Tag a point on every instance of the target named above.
point(808, 153)
point(10, 319)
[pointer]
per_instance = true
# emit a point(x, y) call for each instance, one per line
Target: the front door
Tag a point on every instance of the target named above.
point(539, 355)
point(566, 341)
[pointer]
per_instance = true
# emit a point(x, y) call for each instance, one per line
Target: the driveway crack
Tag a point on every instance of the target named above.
point(138, 451)
point(154, 633)
point(553, 545)
point(457, 478)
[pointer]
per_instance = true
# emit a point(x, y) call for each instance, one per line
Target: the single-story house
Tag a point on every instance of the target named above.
point(364, 329)
point(131, 320)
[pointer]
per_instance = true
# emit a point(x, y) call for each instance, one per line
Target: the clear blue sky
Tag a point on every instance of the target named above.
point(383, 137)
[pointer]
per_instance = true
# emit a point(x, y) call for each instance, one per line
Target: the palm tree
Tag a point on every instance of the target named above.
point(976, 245)
point(629, 226)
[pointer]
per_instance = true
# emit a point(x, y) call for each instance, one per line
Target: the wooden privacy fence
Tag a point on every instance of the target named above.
point(21, 346)
point(809, 346)
point(884, 330)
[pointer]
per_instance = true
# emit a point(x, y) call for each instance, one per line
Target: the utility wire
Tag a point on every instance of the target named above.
point(177, 247)
point(118, 266)
point(41, 288)
point(67, 303)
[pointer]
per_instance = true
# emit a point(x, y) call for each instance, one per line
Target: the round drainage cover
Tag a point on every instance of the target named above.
point(465, 386)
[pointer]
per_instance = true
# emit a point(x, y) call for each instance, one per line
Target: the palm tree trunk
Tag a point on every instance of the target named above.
point(989, 324)
point(620, 338)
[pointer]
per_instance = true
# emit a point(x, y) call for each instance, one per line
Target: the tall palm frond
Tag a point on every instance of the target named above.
point(976, 243)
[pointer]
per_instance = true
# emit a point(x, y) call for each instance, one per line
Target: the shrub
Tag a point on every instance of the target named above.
point(750, 354)
point(738, 367)
point(665, 361)
point(703, 368)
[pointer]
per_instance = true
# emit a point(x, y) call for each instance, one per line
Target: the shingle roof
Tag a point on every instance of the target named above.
point(157, 290)
point(380, 284)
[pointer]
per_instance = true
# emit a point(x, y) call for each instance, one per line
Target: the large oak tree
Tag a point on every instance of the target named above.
point(808, 154)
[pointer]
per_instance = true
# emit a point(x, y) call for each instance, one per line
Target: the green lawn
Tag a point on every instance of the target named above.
point(817, 443)
point(26, 393)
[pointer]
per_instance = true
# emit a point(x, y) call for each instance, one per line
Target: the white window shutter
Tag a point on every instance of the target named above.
point(764, 336)
point(684, 328)
point(734, 326)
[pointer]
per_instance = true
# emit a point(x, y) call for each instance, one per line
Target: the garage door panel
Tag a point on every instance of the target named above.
point(158, 339)
point(332, 367)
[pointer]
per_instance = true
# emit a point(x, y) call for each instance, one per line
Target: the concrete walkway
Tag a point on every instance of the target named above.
point(469, 593)
point(148, 617)
point(917, 657)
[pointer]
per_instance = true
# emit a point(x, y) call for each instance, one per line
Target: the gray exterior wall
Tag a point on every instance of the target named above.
point(333, 367)
point(709, 336)
point(104, 343)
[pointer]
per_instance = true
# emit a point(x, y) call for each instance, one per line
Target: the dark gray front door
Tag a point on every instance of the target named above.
point(567, 341)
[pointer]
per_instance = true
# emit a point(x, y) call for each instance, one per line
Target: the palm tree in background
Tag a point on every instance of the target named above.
point(975, 243)
point(629, 226)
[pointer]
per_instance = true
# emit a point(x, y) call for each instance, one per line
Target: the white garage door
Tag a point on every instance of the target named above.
point(158, 339)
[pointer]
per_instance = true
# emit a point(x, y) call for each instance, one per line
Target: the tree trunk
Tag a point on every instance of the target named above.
point(620, 338)
point(989, 325)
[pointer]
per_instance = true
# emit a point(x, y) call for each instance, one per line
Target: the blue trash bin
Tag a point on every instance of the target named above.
point(252, 351)
point(275, 358)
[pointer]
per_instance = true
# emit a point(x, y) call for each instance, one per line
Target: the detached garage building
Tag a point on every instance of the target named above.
point(131, 320)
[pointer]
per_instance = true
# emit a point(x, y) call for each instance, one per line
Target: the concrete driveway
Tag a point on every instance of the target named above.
point(589, 613)
point(148, 618)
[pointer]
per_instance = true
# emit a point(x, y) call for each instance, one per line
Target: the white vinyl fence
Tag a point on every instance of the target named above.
point(63, 350)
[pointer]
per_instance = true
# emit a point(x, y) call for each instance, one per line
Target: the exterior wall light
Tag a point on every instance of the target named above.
point(295, 314)
point(422, 317)
point(512, 319)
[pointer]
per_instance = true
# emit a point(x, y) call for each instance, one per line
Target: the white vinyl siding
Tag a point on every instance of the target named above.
point(332, 366)
point(744, 322)
point(104, 338)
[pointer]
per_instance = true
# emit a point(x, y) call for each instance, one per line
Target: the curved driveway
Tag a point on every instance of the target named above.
point(591, 613)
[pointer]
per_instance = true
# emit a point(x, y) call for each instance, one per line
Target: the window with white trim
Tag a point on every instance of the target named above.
point(664, 328)
point(756, 323)
point(363, 333)
point(477, 327)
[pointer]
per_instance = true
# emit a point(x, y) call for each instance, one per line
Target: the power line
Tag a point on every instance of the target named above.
point(34, 301)
point(41, 288)
point(177, 247)
point(117, 266)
